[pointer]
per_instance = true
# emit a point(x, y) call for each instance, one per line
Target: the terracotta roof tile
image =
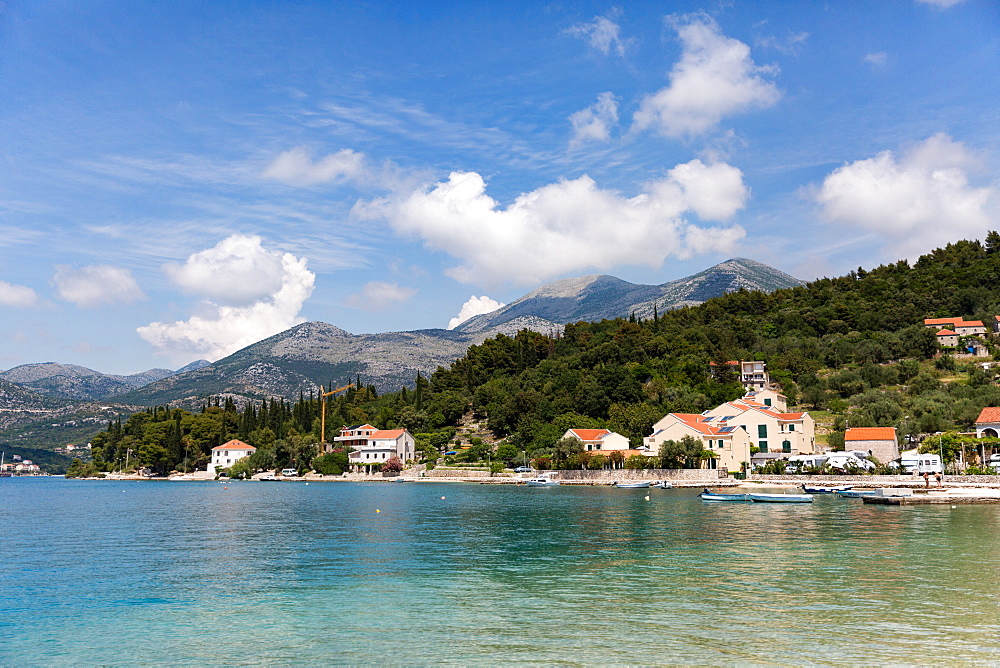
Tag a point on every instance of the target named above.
point(989, 414)
point(870, 434)
point(234, 445)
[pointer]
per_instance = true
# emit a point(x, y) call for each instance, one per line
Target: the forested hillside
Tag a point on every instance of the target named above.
point(853, 345)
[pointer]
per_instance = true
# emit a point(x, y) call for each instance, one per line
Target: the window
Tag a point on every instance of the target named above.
point(762, 445)
point(791, 427)
point(762, 431)
point(767, 402)
point(786, 446)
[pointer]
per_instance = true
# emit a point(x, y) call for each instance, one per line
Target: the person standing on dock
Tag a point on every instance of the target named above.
point(927, 480)
point(938, 476)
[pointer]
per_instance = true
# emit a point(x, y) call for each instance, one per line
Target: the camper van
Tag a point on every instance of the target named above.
point(850, 459)
point(915, 463)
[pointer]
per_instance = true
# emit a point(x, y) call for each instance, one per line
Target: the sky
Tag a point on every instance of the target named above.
point(181, 179)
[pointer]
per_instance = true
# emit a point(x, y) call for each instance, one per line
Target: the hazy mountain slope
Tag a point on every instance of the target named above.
point(598, 297)
point(70, 381)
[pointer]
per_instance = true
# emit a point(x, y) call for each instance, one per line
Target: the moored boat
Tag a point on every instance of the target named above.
point(541, 481)
point(825, 489)
point(663, 484)
point(630, 485)
point(780, 498)
point(709, 495)
point(856, 493)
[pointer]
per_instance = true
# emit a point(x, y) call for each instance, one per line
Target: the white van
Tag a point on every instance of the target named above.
point(289, 473)
point(914, 462)
point(994, 461)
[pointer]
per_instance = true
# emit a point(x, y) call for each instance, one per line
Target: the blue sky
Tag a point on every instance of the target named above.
point(178, 180)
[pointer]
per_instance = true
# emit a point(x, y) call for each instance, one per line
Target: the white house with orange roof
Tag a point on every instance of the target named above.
point(598, 440)
point(379, 446)
point(880, 442)
point(730, 444)
point(770, 429)
point(227, 454)
point(970, 327)
point(769, 398)
point(355, 436)
point(988, 422)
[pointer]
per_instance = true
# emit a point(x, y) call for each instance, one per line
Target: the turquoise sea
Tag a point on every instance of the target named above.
point(103, 572)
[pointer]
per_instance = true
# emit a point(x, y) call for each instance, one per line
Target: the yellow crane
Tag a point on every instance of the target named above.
point(322, 396)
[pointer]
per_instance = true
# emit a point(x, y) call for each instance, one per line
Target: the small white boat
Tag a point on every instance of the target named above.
point(663, 484)
point(709, 495)
point(781, 498)
point(825, 489)
point(856, 493)
point(630, 485)
point(541, 481)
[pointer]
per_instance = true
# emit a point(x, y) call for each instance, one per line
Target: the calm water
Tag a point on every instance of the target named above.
point(192, 573)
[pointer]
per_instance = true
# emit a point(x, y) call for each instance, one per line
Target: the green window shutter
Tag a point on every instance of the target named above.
point(762, 431)
point(786, 446)
point(767, 402)
point(762, 445)
point(791, 427)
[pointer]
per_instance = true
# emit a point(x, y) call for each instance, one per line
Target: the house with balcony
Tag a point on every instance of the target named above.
point(373, 446)
point(770, 429)
point(730, 444)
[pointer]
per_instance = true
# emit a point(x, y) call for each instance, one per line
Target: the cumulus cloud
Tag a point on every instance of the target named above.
point(475, 306)
point(715, 77)
point(225, 322)
point(296, 167)
point(236, 271)
point(918, 200)
point(595, 122)
point(96, 285)
point(602, 34)
point(380, 295)
point(570, 225)
point(16, 295)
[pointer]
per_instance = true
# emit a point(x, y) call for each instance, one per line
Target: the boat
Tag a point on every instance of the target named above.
point(856, 493)
point(663, 484)
point(709, 495)
point(631, 485)
point(541, 481)
point(825, 489)
point(780, 498)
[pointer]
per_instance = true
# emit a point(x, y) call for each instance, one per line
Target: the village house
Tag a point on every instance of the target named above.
point(376, 446)
point(988, 422)
point(598, 441)
point(947, 338)
point(227, 454)
point(770, 429)
point(879, 442)
point(730, 444)
point(753, 375)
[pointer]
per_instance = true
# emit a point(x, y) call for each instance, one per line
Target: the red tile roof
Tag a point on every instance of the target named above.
point(941, 321)
point(970, 323)
point(946, 332)
point(388, 433)
point(590, 434)
point(989, 414)
point(234, 445)
point(870, 434)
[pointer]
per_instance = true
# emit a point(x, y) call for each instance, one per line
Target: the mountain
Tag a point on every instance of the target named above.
point(598, 297)
point(69, 381)
point(314, 353)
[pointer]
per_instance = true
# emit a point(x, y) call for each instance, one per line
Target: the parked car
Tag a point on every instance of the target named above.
point(289, 473)
point(523, 469)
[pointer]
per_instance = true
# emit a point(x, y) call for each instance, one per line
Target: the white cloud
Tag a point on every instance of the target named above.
point(570, 225)
point(296, 167)
point(380, 295)
point(16, 295)
point(941, 4)
point(475, 306)
point(602, 34)
point(715, 77)
point(236, 271)
point(221, 329)
point(877, 60)
point(918, 201)
point(97, 284)
point(595, 122)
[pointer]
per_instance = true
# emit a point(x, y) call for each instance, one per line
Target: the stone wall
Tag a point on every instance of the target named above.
point(876, 480)
point(674, 475)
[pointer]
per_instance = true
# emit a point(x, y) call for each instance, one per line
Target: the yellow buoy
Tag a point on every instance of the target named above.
point(377, 510)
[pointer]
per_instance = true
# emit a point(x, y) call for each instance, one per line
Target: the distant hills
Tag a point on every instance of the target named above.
point(69, 381)
point(313, 353)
